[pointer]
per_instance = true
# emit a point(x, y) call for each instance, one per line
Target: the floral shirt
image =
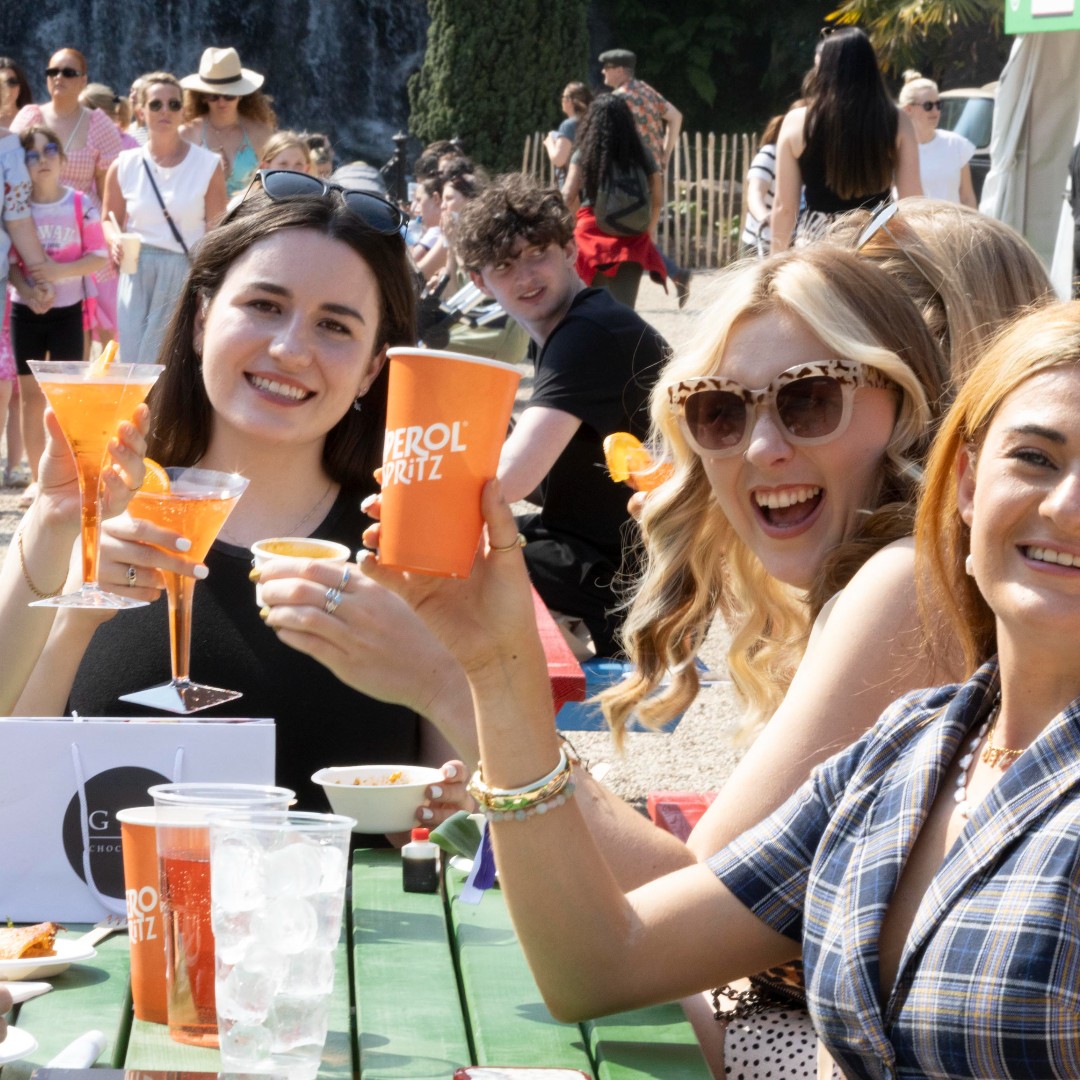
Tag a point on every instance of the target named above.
point(648, 107)
point(16, 182)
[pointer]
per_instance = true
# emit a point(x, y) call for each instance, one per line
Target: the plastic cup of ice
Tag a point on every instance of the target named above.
point(446, 421)
point(294, 547)
point(277, 886)
point(183, 847)
point(130, 246)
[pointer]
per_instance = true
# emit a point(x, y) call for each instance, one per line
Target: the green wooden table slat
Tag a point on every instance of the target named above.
point(86, 996)
point(408, 1008)
point(150, 1046)
point(509, 1021)
point(657, 1041)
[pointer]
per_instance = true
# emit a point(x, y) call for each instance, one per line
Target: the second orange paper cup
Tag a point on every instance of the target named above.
point(446, 421)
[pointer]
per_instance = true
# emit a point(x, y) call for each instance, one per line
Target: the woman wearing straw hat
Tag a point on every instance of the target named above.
point(225, 112)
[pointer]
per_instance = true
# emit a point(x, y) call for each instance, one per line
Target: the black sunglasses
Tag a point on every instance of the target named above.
point(11, 81)
point(174, 104)
point(68, 73)
point(220, 97)
point(930, 106)
point(377, 214)
point(49, 150)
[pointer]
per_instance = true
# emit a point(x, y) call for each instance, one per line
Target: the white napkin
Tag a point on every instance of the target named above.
point(24, 991)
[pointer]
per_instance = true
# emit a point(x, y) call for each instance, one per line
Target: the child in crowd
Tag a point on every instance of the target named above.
point(69, 229)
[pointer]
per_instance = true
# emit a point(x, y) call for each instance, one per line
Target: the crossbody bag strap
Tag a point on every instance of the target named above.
point(164, 209)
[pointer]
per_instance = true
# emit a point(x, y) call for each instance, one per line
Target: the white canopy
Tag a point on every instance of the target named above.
point(1035, 129)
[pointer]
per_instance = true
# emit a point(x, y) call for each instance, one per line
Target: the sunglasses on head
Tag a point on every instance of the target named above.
point(173, 104)
point(220, 97)
point(882, 222)
point(49, 150)
point(279, 184)
point(930, 106)
point(10, 80)
point(68, 73)
point(811, 403)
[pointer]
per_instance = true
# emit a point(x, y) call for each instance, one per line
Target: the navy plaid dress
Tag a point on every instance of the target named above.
point(989, 980)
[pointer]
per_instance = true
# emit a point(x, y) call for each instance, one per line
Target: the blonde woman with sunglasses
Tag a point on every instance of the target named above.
point(944, 156)
point(168, 192)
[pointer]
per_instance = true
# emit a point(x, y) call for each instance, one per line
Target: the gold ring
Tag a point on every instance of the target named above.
point(519, 542)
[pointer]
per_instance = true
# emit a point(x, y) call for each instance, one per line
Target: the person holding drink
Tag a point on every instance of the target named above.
point(274, 370)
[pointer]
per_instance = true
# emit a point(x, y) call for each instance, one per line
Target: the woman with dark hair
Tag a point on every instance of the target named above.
point(15, 90)
point(274, 368)
point(225, 111)
point(847, 147)
point(559, 144)
point(614, 184)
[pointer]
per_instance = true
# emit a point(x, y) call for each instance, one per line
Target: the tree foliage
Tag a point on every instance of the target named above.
point(493, 73)
point(908, 32)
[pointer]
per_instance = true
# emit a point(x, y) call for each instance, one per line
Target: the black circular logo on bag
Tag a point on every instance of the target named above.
point(106, 793)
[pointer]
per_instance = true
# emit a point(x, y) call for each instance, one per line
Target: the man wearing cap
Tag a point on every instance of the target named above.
point(658, 123)
point(595, 362)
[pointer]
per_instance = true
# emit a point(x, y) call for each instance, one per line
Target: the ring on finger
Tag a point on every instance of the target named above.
point(345, 578)
point(132, 574)
point(333, 598)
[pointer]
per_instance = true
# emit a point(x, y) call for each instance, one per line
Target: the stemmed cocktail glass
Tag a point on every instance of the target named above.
point(89, 402)
point(196, 505)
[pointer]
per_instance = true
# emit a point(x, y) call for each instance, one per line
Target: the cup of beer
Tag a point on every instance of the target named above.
point(447, 416)
point(183, 847)
point(146, 935)
point(294, 547)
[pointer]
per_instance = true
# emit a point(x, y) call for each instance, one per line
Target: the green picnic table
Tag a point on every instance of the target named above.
point(429, 984)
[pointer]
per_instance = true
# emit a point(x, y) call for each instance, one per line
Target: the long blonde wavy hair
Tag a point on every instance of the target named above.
point(695, 565)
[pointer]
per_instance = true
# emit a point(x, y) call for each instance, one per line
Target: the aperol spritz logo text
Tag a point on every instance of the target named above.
point(413, 454)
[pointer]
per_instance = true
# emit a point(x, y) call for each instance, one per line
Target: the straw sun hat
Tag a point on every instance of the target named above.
point(220, 73)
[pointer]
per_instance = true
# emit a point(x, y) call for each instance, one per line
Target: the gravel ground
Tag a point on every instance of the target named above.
point(696, 755)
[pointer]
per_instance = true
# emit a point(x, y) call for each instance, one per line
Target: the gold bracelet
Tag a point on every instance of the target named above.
point(509, 800)
point(26, 574)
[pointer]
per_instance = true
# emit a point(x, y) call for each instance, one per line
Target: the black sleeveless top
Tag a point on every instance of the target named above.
point(820, 198)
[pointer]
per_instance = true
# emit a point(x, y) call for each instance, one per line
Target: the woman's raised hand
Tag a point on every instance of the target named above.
point(482, 617)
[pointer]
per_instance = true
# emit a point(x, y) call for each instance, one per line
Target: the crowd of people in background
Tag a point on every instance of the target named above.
point(873, 447)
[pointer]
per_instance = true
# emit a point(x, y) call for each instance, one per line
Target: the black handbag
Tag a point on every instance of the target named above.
point(165, 210)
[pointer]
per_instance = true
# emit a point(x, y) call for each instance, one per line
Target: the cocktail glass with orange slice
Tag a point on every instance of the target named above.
point(90, 400)
point(194, 503)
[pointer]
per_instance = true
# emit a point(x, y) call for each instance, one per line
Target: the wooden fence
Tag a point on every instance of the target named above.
point(703, 195)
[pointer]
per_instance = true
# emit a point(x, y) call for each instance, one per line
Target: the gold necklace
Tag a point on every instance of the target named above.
point(992, 754)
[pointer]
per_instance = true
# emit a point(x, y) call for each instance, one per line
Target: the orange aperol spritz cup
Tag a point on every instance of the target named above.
point(196, 506)
point(89, 403)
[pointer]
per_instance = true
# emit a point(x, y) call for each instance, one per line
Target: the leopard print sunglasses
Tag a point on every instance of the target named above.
point(811, 403)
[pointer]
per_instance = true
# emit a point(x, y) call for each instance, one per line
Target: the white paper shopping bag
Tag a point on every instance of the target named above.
point(62, 782)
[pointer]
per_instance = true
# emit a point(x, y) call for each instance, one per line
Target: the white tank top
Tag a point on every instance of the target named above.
point(183, 187)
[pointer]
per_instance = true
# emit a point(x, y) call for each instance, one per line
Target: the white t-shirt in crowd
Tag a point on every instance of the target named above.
point(940, 162)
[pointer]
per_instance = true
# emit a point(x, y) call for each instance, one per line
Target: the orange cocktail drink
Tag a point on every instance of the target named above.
point(89, 403)
point(195, 506)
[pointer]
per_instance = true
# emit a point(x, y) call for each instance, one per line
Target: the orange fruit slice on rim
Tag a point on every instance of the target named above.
point(156, 480)
point(628, 460)
point(101, 365)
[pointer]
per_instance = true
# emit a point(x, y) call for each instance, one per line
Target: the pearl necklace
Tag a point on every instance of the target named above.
point(963, 806)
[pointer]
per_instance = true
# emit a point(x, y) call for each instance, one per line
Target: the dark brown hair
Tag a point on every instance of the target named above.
point(26, 95)
point(511, 206)
point(181, 409)
point(255, 106)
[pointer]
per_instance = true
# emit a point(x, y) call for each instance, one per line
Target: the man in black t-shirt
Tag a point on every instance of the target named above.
point(596, 361)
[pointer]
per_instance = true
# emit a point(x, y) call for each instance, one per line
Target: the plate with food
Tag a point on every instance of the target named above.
point(35, 951)
point(18, 1044)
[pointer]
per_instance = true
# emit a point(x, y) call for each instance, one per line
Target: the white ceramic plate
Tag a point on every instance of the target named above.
point(42, 967)
point(17, 1045)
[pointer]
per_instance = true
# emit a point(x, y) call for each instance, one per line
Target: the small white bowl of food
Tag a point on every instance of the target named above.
point(382, 798)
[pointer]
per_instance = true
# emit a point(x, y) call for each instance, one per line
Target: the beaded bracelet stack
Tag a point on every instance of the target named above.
point(516, 804)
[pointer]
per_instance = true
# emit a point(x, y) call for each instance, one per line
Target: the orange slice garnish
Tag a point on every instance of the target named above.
point(107, 355)
point(156, 480)
point(628, 460)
